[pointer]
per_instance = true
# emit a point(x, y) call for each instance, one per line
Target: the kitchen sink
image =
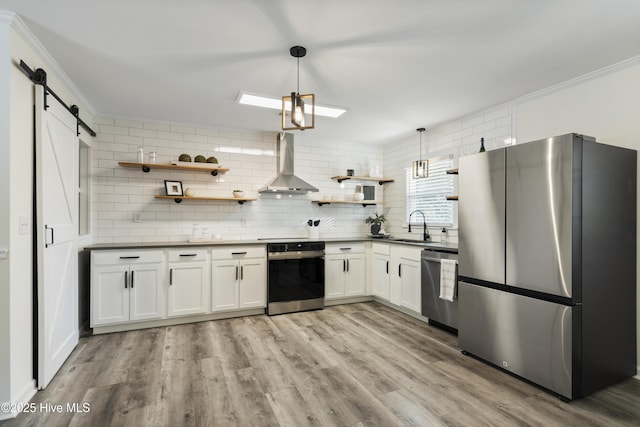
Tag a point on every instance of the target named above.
point(412, 241)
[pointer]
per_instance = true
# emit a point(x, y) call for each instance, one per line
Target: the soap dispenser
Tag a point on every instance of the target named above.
point(443, 235)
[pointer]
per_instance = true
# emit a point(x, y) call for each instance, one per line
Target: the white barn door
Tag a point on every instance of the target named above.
point(57, 225)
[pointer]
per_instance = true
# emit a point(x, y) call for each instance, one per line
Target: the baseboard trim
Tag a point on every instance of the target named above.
point(347, 300)
point(401, 309)
point(23, 399)
point(175, 321)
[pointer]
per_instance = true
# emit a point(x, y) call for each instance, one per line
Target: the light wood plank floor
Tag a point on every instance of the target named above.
point(350, 365)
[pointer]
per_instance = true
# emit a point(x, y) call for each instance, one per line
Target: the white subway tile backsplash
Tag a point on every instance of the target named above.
point(129, 123)
point(183, 129)
point(145, 133)
point(114, 130)
point(122, 193)
point(166, 127)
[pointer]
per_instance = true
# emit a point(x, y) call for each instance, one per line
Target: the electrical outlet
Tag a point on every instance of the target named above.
point(4, 253)
point(137, 217)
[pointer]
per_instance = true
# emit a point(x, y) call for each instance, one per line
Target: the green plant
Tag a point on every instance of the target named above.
point(378, 219)
point(236, 191)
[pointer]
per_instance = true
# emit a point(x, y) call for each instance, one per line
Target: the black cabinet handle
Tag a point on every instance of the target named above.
point(387, 267)
point(399, 270)
point(188, 254)
point(345, 249)
point(170, 276)
point(347, 264)
point(132, 279)
point(125, 279)
point(236, 272)
point(239, 253)
point(242, 272)
point(344, 265)
point(129, 257)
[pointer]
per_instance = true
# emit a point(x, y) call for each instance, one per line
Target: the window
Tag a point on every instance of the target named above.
point(429, 195)
point(83, 189)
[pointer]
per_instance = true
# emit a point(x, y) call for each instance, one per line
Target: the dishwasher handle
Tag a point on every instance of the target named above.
point(434, 259)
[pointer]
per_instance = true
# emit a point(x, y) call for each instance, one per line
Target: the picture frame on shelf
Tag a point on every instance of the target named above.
point(173, 188)
point(369, 192)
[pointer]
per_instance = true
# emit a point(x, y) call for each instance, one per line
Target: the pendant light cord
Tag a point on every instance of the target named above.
point(298, 59)
point(420, 130)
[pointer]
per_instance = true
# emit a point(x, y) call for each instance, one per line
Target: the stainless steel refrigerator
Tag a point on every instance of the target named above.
point(547, 262)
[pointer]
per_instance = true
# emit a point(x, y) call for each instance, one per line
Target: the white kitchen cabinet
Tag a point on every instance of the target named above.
point(189, 282)
point(224, 285)
point(344, 270)
point(239, 278)
point(405, 286)
point(126, 286)
point(380, 277)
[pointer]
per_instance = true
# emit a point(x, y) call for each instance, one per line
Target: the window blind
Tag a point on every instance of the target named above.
point(430, 194)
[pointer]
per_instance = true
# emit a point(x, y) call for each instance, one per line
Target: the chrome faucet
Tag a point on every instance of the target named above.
point(425, 232)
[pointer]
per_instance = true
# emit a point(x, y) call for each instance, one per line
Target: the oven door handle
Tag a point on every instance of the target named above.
point(273, 256)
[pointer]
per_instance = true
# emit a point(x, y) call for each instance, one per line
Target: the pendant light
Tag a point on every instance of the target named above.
point(420, 168)
point(299, 108)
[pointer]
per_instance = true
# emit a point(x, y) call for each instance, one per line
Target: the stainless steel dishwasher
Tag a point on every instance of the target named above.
point(440, 312)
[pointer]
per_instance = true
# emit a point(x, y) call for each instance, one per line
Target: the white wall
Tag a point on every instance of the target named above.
point(605, 105)
point(5, 291)
point(16, 171)
point(120, 194)
point(457, 138)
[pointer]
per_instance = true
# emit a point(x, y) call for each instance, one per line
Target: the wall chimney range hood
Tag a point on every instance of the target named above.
point(286, 182)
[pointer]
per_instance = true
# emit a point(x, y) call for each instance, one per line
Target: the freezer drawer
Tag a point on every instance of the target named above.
point(529, 337)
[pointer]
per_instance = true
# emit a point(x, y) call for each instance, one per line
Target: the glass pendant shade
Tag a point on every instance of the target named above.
point(298, 111)
point(420, 169)
point(301, 109)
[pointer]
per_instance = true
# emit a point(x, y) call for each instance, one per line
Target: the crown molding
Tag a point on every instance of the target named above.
point(610, 69)
point(6, 17)
point(27, 35)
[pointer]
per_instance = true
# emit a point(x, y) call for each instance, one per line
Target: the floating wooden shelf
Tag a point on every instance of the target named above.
point(146, 167)
point(178, 199)
point(364, 203)
point(380, 181)
point(452, 171)
point(452, 197)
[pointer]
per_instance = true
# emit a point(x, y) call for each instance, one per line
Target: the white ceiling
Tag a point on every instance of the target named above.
point(395, 65)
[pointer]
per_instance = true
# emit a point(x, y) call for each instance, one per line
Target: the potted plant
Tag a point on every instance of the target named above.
point(376, 223)
point(238, 194)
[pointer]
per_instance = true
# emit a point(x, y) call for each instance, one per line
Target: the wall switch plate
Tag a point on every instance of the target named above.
point(24, 225)
point(137, 217)
point(3, 253)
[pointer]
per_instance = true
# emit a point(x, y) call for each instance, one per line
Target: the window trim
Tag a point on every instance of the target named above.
point(416, 220)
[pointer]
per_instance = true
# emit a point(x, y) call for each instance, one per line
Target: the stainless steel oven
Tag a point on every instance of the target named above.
point(296, 277)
